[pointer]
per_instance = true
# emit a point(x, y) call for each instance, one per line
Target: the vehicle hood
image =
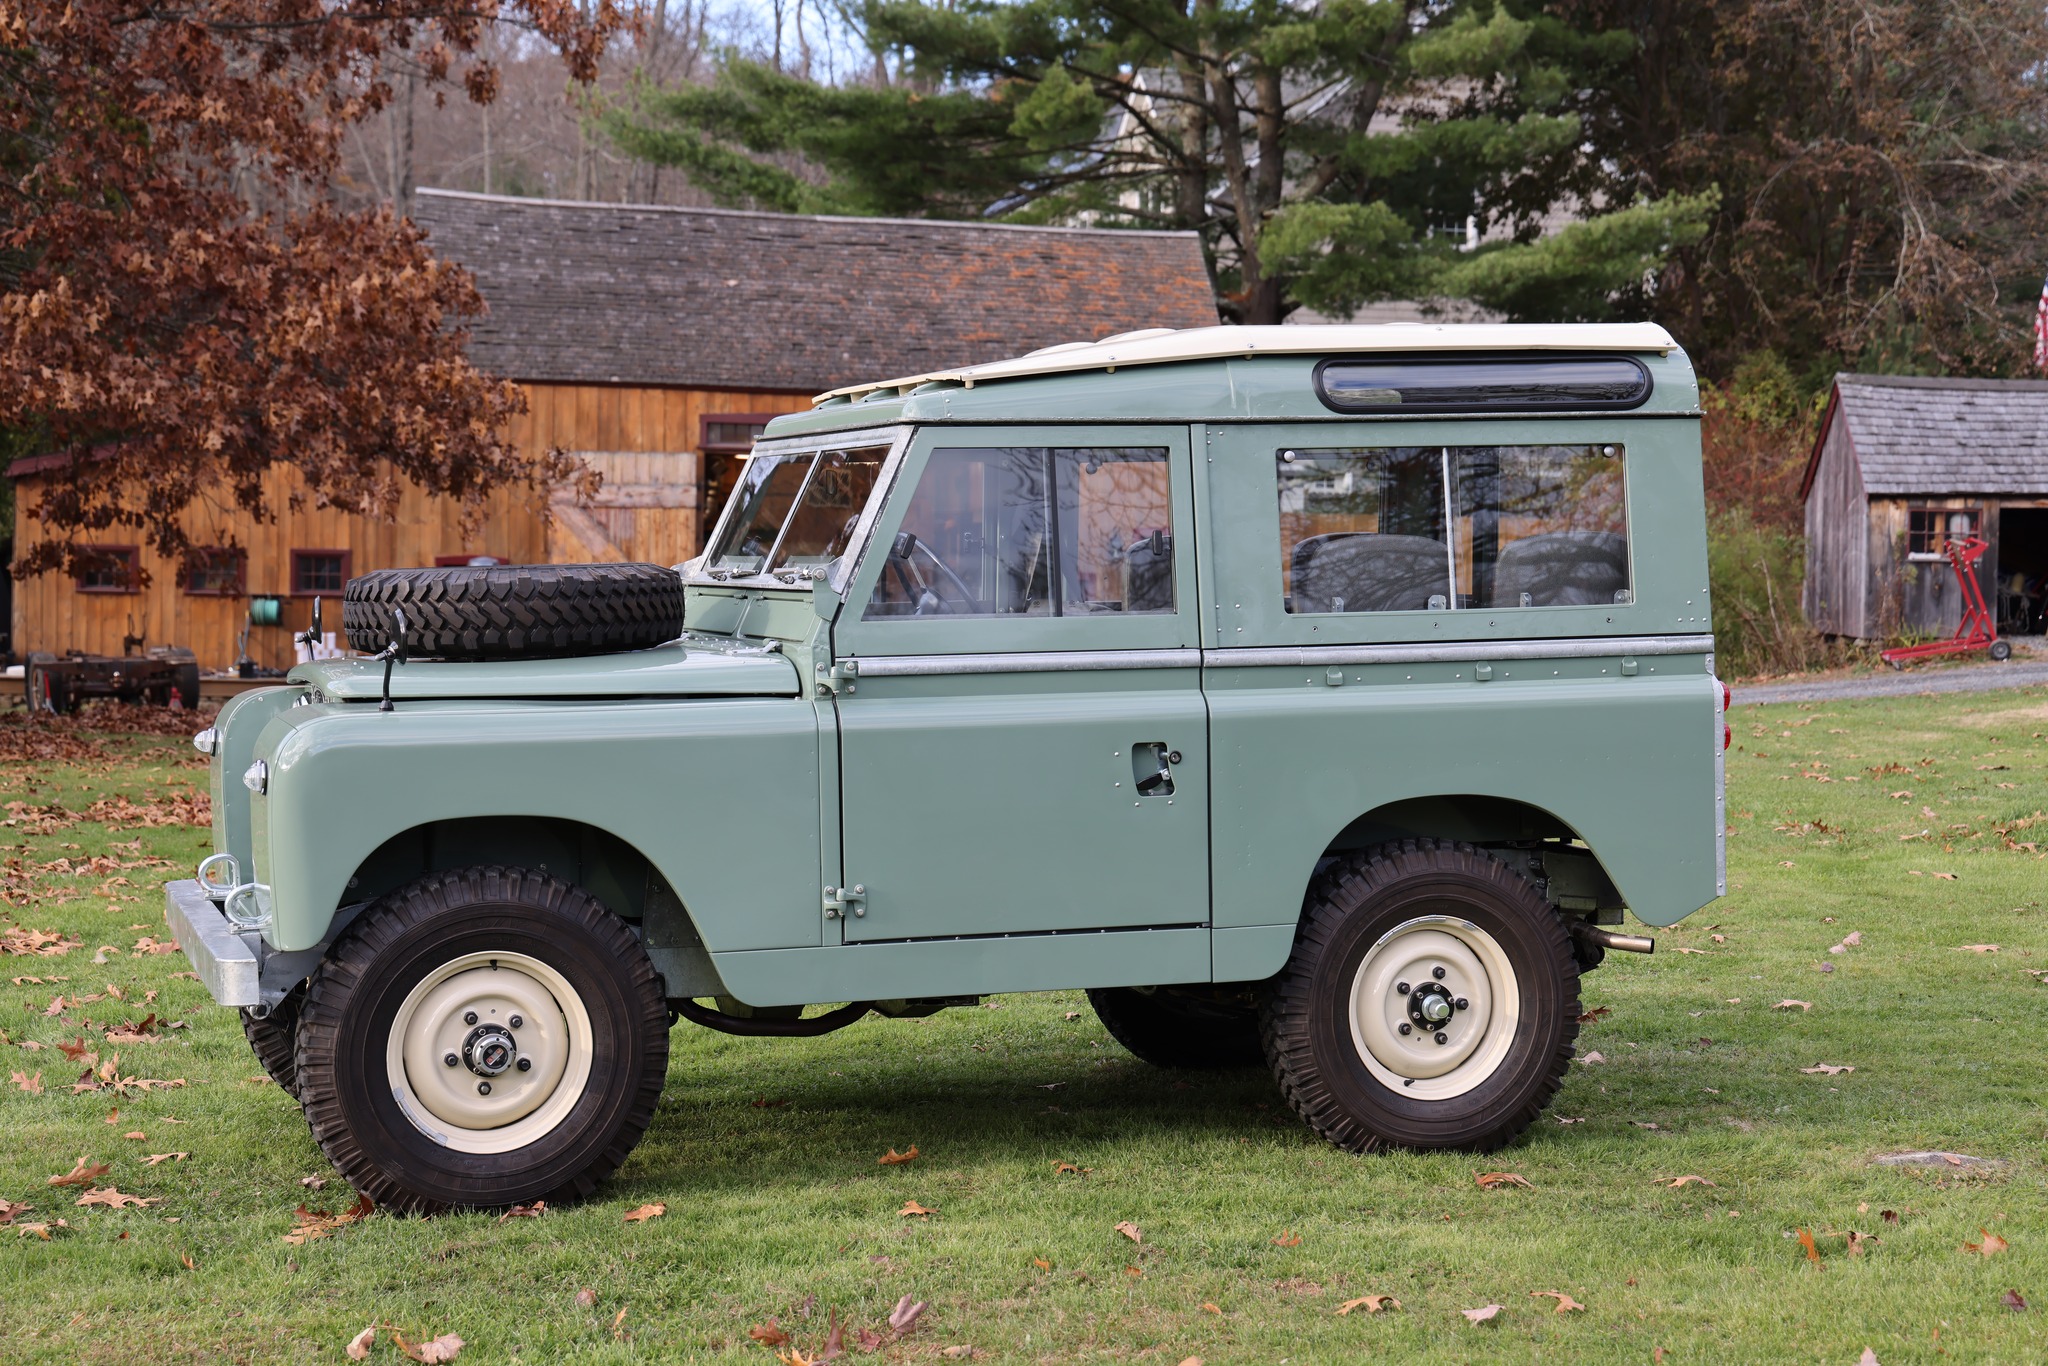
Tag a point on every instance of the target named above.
point(699, 669)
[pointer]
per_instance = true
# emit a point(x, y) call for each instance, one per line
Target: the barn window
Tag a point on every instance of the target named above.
point(319, 571)
point(108, 569)
point(1929, 529)
point(214, 571)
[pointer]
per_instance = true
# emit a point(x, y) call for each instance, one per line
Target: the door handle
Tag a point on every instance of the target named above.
point(1152, 768)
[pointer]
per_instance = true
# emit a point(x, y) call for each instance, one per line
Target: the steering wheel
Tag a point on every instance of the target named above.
point(924, 597)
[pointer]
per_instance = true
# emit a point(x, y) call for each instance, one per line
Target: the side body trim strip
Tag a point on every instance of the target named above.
point(1597, 647)
point(1062, 661)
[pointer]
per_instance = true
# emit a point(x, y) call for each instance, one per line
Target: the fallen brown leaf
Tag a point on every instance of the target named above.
point(1680, 1182)
point(1208, 1308)
point(83, 1173)
point(1069, 1169)
point(586, 1298)
point(904, 1316)
point(1990, 1247)
point(31, 1084)
point(1041, 1263)
point(1289, 1238)
point(1130, 1230)
point(1793, 1005)
point(1483, 1313)
point(892, 1158)
point(768, 1334)
point(532, 1211)
point(2012, 1299)
point(320, 1224)
point(1565, 1303)
point(1806, 1241)
point(1495, 1180)
point(1371, 1304)
point(114, 1198)
point(185, 1260)
point(1591, 1058)
point(444, 1348)
point(646, 1212)
point(358, 1348)
point(1597, 1013)
point(912, 1210)
point(1978, 948)
point(41, 1230)
point(1827, 1069)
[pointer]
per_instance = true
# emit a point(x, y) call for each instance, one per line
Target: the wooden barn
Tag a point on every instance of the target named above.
point(1901, 465)
point(653, 342)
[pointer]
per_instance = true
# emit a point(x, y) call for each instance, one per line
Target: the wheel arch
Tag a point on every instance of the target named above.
point(1537, 842)
point(609, 867)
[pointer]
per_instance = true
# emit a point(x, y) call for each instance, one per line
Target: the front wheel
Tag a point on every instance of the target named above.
point(484, 1037)
point(1431, 1001)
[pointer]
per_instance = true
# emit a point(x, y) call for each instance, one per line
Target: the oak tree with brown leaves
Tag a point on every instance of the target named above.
point(184, 310)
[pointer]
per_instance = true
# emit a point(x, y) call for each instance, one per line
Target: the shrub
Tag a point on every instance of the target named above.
point(1755, 573)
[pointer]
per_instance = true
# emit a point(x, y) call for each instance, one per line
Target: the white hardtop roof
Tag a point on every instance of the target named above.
point(1162, 344)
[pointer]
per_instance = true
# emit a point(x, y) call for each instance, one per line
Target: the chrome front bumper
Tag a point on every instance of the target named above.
point(225, 961)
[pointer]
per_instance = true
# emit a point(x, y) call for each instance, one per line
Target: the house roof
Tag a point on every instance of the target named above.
point(1160, 346)
point(1916, 434)
point(722, 299)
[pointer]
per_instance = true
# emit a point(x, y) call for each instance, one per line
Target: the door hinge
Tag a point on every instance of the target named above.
point(841, 902)
point(840, 676)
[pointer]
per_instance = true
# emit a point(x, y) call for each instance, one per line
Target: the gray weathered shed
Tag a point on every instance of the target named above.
point(1902, 464)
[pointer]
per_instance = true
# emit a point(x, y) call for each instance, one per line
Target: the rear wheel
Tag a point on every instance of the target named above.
point(43, 686)
point(1431, 1001)
point(482, 1038)
point(1180, 1026)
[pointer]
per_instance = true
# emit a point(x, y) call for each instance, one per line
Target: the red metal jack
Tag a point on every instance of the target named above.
point(1978, 630)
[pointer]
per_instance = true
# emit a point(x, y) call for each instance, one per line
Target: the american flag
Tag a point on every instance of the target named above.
point(2041, 331)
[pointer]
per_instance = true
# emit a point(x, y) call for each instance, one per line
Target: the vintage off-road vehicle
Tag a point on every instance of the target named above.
point(1314, 694)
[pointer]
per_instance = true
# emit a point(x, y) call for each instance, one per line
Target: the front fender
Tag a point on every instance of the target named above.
point(719, 794)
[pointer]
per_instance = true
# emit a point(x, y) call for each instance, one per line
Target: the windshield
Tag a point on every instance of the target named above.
point(797, 509)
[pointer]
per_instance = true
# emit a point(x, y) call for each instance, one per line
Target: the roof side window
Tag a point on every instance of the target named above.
point(1481, 384)
point(1033, 532)
point(1428, 528)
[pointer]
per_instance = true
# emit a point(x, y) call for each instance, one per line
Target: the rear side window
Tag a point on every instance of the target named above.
point(1468, 384)
point(1435, 528)
point(1030, 531)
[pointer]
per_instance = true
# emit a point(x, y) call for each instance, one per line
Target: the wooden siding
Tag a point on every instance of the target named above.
point(1838, 564)
point(644, 440)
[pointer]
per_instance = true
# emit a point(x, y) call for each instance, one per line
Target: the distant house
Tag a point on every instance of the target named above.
point(655, 343)
point(1902, 465)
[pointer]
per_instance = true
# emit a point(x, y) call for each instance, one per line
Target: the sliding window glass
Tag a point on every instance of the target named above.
point(1433, 528)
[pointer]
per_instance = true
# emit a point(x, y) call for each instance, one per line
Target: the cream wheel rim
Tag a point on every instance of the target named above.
point(1451, 984)
point(489, 1052)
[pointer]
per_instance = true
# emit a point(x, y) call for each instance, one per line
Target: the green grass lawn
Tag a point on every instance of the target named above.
point(1905, 822)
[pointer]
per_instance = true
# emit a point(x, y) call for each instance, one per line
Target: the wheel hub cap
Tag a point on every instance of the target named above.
point(489, 1052)
point(1434, 1007)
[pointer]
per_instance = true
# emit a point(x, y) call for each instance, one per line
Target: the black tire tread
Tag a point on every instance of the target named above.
point(532, 611)
point(274, 1039)
point(1169, 1032)
point(1333, 895)
point(354, 956)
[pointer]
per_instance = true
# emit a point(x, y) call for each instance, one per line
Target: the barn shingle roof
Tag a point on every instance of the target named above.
point(718, 298)
point(1927, 435)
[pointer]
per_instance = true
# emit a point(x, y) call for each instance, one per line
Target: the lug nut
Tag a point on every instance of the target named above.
point(1437, 973)
point(1407, 1028)
point(483, 1088)
point(516, 1021)
point(469, 1017)
point(1401, 987)
point(1443, 1038)
point(525, 1064)
point(451, 1060)
point(1464, 1004)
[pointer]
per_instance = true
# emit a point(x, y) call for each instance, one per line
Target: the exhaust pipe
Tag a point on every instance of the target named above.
point(1608, 939)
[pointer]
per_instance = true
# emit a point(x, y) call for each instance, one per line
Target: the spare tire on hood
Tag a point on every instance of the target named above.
point(523, 611)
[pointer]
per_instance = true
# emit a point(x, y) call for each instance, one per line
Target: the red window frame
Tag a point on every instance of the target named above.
point(214, 555)
point(128, 555)
point(298, 556)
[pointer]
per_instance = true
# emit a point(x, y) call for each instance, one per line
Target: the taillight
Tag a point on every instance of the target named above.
point(1727, 736)
point(1727, 698)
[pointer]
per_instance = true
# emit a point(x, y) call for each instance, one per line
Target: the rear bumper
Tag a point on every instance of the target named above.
point(225, 962)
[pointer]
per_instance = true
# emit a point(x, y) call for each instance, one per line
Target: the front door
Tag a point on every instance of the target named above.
point(1024, 748)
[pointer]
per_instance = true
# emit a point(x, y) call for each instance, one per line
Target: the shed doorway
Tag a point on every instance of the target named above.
point(2022, 599)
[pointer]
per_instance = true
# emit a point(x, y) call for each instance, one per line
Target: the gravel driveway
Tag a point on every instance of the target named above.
point(2017, 672)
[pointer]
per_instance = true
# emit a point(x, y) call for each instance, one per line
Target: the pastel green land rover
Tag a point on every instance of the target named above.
point(1318, 696)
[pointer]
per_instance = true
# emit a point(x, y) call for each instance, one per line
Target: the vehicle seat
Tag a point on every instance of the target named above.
point(1562, 568)
point(1361, 571)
